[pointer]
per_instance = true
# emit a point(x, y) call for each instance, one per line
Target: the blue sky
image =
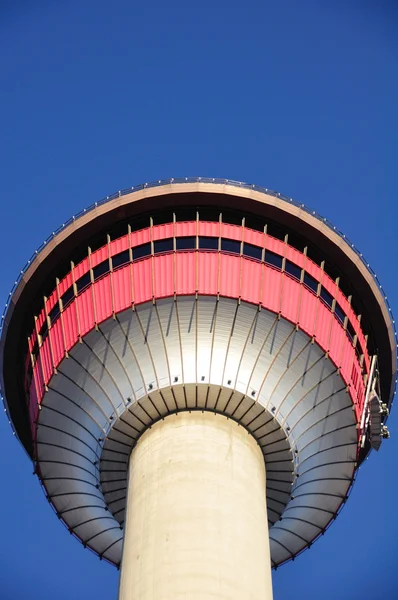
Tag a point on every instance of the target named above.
point(299, 97)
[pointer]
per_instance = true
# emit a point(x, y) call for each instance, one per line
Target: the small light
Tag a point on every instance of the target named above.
point(175, 379)
point(229, 382)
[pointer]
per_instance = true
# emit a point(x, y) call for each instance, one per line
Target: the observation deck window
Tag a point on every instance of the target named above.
point(120, 259)
point(252, 251)
point(275, 260)
point(186, 243)
point(83, 282)
point(101, 269)
point(293, 270)
point(163, 246)
point(310, 282)
point(326, 297)
point(230, 246)
point(208, 243)
point(339, 313)
point(67, 297)
point(141, 251)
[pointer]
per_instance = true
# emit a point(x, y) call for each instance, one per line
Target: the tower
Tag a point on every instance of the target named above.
point(197, 368)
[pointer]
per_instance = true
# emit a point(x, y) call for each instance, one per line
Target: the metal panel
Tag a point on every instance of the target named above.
point(142, 277)
point(121, 289)
point(207, 272)
point(86, 311)
point(185, 229)
point(290, 299)
point(103, 298)
point(185, 265)
point(271, 291)
point(229, 281)
point(162, 232)
point(163, 275)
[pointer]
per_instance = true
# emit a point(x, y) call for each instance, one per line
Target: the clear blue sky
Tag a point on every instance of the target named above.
point(300, 97)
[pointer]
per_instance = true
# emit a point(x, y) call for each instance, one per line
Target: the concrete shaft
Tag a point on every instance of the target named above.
point(196, 521)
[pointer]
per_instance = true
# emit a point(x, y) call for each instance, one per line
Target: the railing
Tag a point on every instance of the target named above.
point(182, 180)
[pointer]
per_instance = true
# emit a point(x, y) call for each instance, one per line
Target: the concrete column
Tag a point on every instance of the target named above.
point(196, 520)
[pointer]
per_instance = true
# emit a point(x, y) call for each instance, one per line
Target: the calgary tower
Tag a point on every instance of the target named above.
point(197, 368)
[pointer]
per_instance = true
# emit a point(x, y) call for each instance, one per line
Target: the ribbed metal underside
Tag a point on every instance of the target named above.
point(204, 353)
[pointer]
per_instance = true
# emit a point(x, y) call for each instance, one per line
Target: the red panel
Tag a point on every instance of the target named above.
point(186, 228)
point(65, 284)
point(337, 338)
point(251, 280)
point(229, 276)
point(40, 320)
point(164, 275)
point(46, 360)
point(162, 232)
point(295, 256)
point(290, 298)
point(86, 311)
point(208, 272)
point(140, 237)
point(119, 245)
point(57, 342)
point(142, 277)
point(308, 308)
point(33, 338)
point(38, 381)
point(81, 269)
point(348, 357)
point(70, 326)
point(275, 245)
point(254, 237)
point(232, 232)
point(209, 228)
point(99, 256)
point(271, 293)
point(122, 295)
point(103, 299)
point(323, 322)
point(185, 272)
point(342, 300)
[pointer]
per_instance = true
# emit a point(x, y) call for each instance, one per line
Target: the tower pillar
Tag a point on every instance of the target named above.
point(196, 518)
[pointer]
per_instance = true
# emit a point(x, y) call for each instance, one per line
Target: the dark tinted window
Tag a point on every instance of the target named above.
point(140, 251)
point(230, 246)
point(310, 282)
point(253, 251)
point(83, 282)
point(350, 331)
point(54, 313)
point(163, 245)
point(339, 312)
point(186, 243)
point(43, 329)
point(292, 269)
point(101, 269)
point(120, 259)
point(67, 297)
point(208, 243)
point(273, 259)
point(326, 297)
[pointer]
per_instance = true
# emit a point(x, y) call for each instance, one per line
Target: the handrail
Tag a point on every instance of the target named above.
point(182, 180)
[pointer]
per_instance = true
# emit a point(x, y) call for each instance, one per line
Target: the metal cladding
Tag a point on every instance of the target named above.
point(202, 297)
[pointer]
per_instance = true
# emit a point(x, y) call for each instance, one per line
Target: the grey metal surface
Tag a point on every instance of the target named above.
point(202, 354)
